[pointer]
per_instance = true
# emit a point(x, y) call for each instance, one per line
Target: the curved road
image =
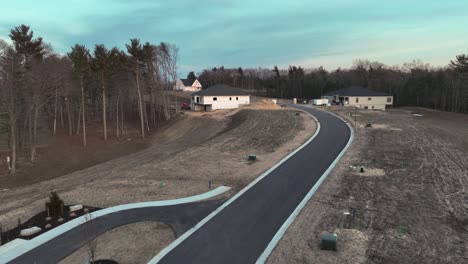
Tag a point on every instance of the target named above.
point(180, 217)
point(242, 231)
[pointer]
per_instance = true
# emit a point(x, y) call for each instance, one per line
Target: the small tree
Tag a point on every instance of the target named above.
point(55, 205)
point(88, 231)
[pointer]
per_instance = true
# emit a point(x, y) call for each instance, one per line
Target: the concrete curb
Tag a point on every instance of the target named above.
point(13, 251)
point(274, 242)
point(180, 239)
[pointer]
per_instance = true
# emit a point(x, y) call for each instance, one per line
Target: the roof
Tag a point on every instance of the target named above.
point(355, 91)
point(220, 89)
point(187, 82)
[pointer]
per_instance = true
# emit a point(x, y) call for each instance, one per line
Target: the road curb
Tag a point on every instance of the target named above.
point(180, 239)
point(279, 234)
point(12, 252)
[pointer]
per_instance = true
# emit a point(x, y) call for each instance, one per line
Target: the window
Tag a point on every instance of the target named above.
point(357, 100)
point(198, 99)
point(368, 99)
point(237, 98)
point(230, 98)
point(215, 98)
point(389, 100)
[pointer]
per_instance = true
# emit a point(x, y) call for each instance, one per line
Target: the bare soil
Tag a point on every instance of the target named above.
point(411, 202)
point(179, 161)
point(64, 154)
point(127, 244)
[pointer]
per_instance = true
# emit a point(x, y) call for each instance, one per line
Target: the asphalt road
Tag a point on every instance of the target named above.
point(242, 231)
point(180, 217)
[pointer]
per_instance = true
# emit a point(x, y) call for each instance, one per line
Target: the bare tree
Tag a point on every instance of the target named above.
point(170, 57)
point(9, 64)
point(89, 230)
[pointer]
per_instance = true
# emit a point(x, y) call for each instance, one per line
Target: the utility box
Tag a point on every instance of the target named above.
point(328, 241)
point(252, 157)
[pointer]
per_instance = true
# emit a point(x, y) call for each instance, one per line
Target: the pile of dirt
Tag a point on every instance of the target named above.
point(265, 104)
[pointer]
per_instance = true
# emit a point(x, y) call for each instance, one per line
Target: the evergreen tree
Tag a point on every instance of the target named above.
point(191, 76)
point(80, 58)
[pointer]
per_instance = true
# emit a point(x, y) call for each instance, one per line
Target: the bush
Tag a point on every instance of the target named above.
point(55, 205)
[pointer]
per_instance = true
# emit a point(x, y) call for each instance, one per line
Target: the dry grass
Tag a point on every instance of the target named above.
point(128, 244)
point(179, 162)
point(422, 169)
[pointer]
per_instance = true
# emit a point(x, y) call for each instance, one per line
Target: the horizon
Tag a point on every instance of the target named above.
point(263, 34)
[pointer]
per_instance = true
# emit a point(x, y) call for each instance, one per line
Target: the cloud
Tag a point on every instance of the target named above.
point(255, 33)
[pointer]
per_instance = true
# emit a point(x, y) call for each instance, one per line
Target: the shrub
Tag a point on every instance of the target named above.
point(55, 205)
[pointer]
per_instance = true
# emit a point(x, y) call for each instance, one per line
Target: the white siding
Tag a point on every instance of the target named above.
point(196, 86)
point(223, 102)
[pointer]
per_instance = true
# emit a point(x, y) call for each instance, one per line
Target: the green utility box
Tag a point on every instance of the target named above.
point(252, 157)
point(328, 242)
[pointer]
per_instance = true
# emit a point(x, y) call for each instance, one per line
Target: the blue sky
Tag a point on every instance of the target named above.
point(251, 33)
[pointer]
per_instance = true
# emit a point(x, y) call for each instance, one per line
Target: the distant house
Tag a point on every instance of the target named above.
point(360, 97)
point(219, 96)
point(187, 85)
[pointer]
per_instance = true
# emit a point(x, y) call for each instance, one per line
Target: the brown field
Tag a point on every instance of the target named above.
point(178, 161)
point(416, 176)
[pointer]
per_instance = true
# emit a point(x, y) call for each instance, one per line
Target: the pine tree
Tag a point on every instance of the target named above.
point(80, 58)
point(136, 55)
point(191, 76)
point(101, 64)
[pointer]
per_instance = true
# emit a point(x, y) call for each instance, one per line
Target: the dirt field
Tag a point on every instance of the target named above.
point(64, 154)
point(180, 160)
point(127, 244)
point(416, 173)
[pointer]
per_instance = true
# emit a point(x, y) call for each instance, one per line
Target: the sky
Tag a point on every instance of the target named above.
point(255, 33)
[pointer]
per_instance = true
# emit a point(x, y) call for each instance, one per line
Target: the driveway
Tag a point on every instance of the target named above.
point(180, 217)
point(242, 231)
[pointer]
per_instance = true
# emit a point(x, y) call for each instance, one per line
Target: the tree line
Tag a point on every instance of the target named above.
point(106, 85)
point(412, 84)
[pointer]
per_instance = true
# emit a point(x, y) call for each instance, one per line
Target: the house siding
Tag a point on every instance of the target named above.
point(196, 86)
point(222, 102)
point(375, 102)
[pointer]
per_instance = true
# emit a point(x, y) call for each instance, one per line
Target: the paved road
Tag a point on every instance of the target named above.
point(180, 217)
point(242, 231)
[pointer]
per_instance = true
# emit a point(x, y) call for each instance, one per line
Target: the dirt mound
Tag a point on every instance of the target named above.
point(265, 104)
point(260, 131)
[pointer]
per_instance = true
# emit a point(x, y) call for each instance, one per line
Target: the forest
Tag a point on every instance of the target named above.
point(412, 84)
point(106, 85)
point(132, 87)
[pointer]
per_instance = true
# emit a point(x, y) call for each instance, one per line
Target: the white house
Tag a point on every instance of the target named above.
point(219, 96)
point(187, 85)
